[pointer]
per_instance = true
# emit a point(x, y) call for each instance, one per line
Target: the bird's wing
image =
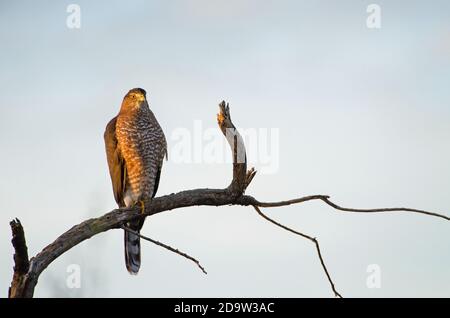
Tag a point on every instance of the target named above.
point(158, 175)
point(116, 163)
point(165, 153)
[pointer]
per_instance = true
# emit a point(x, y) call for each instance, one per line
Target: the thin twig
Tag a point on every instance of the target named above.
point(288, 202)
point(326, 199)
point(337, 207)
point(166, 247)
point(312, 239)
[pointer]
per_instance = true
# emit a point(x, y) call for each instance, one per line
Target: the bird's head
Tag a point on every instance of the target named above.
point(136, 95)
point(134, 100)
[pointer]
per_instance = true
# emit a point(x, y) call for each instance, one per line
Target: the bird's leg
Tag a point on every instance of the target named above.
point(142, 203)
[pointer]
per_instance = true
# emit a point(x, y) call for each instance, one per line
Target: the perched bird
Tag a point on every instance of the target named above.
point(135, 148)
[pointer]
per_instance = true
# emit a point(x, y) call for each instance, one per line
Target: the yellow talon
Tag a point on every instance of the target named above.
point(142, 203)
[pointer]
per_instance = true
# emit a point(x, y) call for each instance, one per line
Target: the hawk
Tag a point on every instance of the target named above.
point(135, 148)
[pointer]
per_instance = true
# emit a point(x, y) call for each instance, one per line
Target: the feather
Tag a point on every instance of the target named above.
point(116, 164)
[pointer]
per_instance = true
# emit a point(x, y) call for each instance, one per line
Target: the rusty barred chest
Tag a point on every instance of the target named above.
point(143, 146)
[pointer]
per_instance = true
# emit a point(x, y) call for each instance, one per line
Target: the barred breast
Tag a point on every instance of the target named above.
point(143, 146)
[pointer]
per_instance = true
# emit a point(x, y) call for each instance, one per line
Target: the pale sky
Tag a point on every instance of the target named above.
point(363, 115)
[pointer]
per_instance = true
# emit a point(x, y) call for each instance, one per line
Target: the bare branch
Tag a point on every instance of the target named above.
point(337, 207)
point(20, 247)
point(21, 261)
point(241, 178)
point(253, 201)
point(167, 247)
point(325, 198)
point(312, 239)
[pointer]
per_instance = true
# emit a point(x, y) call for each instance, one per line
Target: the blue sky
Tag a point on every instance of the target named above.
point(363, 116)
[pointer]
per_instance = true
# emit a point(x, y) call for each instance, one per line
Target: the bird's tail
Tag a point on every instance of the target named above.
point(132, 252)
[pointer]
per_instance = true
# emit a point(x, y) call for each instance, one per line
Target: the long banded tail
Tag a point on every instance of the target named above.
point(132, 252)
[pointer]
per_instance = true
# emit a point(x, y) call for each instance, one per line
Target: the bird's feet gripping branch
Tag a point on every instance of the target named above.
point(142, 206)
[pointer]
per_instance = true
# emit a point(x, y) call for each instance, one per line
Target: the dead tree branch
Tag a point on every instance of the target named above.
point(26, 273)
point(22, 264)
point(326, 199)
point(337, 207)
point(312, 239)
point(167, 247)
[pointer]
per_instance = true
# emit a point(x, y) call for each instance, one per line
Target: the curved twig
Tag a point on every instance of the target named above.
point(337, 207)
point(312, 239)
point(325, 198)
point(167, 247)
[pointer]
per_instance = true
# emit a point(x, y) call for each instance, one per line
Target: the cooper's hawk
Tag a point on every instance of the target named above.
point(135, 148)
